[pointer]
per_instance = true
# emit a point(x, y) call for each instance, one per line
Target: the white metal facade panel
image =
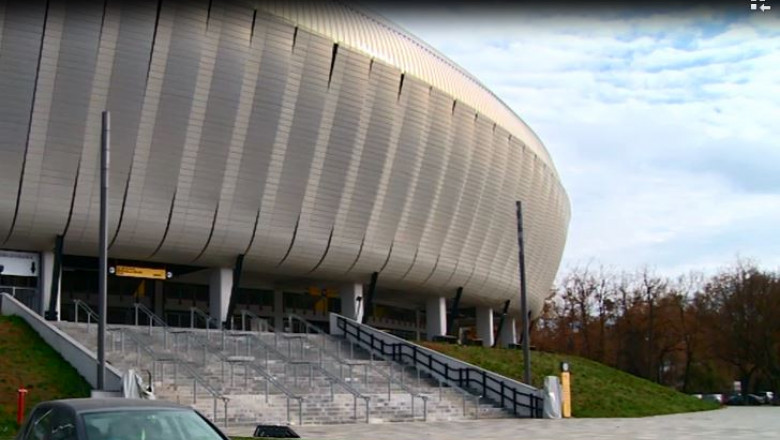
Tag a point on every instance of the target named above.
point(322, 142)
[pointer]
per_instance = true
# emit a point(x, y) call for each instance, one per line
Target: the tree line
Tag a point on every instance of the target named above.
point(693, 332)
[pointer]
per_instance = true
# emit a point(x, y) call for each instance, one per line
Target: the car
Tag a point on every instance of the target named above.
point(739, 400)
point(116, 419)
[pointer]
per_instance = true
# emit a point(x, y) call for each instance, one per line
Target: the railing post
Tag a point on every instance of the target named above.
point(368, 410)
point(76, 310)
point(354, 408)
point(192, 317)
point(425, 408)
point(194, 391)
point(136, 314)
point(300, 411)
point(288, 409)
point(226, 412)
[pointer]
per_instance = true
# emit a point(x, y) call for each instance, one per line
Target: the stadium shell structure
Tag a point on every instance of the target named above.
point(319, 147)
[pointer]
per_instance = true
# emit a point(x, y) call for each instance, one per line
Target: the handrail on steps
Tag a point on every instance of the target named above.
point(207, 319)
point(196, 378)
point(292, 317)
point(331, 377)
point(419, 357)
point(140, 345)
point(91, 315)
point(290, 395)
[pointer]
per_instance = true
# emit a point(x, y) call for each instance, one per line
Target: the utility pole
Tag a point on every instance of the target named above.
point(523, 296)
point(105, 137)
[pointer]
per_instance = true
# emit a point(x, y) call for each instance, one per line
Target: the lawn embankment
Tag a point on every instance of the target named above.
point(27, 361)
point(597, 390)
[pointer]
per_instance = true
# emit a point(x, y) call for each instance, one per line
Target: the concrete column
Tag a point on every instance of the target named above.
point(220, 287)
point(278, 310)
point(508, 332)
point(46, 280)
point(436, 317)
point(352, 301)
point(485, 325)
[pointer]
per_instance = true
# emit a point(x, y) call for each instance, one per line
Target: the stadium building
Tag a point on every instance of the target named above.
point(275, 157)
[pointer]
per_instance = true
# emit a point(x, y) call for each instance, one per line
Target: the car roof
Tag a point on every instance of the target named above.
point(109, 404)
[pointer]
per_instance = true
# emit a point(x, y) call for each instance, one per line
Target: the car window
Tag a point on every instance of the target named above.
point(39, 424)
point(148, 424)
point(63, 426)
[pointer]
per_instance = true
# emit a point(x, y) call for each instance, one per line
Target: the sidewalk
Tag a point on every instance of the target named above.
point(725, 424)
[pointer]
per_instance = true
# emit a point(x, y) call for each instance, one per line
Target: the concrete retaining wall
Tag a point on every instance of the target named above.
point(82, 359)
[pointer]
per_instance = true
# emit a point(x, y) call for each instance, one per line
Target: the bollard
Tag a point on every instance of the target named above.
point(20, 393)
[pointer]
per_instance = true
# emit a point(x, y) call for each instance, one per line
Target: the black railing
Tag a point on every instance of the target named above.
point(507, 394)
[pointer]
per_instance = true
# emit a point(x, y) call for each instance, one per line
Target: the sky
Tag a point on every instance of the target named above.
point(664, 124)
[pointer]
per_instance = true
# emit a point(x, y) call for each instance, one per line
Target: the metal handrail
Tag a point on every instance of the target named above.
point(153, 318)
point(262, 371)
point(196, 378)
point(267, 327)
point(77, 303)
point(331, 377)
point(337, 356)
point(463, 375)
point(207, 319)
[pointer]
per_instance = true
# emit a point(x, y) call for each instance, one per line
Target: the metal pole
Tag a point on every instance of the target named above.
point(105, 139)
point(523, 296)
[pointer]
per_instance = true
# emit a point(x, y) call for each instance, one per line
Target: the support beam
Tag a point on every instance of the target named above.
point(485, 325)
point(51, 272)
point(435, 317)
point(352, 301)
point(278, 310)
point(508, 334)
point(501, 322)
point(234, 289)
point(368, 304)
point(523, 296)
point(454, 311)
point(220, 287)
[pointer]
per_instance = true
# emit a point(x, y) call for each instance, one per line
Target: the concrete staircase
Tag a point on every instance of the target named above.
point(244, 378)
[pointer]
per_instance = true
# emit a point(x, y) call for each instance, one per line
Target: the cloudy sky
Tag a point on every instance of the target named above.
point(664, 124)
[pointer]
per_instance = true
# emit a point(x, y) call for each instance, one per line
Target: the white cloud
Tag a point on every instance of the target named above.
point(664, 128)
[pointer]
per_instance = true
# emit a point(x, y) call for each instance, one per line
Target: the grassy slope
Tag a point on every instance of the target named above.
point(26, 360)
point(597, 390)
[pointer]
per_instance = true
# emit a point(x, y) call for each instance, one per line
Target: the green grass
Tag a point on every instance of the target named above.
point(27, 361)
point(597, 390)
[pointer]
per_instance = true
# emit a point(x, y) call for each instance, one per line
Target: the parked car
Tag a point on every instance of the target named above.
point(116, 419)
point(739, 400)
point(716, 397)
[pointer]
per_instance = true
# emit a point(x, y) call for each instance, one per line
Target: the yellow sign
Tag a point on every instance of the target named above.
point(140, 272)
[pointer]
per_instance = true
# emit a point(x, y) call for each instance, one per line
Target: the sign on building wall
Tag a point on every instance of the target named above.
point(21, 264)
point(140, 272)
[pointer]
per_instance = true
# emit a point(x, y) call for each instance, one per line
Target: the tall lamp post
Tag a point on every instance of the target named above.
point(105, 137)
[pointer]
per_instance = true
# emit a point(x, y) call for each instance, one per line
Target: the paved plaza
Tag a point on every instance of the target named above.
point(728, 423)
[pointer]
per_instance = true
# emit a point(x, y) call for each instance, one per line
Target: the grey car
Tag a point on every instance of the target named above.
point(116, 419)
